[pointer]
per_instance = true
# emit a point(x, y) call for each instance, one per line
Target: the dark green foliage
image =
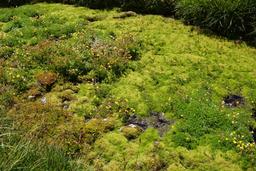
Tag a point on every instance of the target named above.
point(97, 3)
point(232, 18)
point(19, 153)
point(89, 3)
point(5, 3)
point(23, 155)
point(165, 7)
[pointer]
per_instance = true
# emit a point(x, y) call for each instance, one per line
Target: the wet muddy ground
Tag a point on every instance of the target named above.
point(155, 120)
point(233, 100)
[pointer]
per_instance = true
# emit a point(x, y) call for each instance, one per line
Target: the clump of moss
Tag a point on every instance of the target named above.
point(131, 131)
point(67, 95)
point(33, 93)
point(6, 52)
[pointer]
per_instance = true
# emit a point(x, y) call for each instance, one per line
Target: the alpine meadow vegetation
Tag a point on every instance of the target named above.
point(117, 87)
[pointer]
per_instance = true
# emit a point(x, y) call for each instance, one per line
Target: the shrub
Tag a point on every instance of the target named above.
point(232, 18)
point(111, 58)
point(47, 79)
point(89, 3)
point(165, 7)
point(5, 3)
point(97, 3)
point(16, 78)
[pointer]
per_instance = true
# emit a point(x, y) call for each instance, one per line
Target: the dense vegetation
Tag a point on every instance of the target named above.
point(226, 17)
point(84, 89)
point(232, 18)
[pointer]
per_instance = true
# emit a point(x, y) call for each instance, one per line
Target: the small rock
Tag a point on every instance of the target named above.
point(156, 143)
point(43, 100)
point(132, 125)
point(94, 18)
point(65, 107)
point(31, 97)
point(126, 14)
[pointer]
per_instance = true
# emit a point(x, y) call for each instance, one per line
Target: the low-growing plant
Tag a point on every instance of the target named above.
point(6, 97)
point(6, 52)
point(19, 153)
point(87, 59)
point(47, 79)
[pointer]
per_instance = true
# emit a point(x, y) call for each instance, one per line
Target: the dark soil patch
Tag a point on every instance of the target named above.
point(158, 121)
point(254, 114)
point(233, 100)
point(138, 121)
point(154, 120)
point(94, 18)
point(253, 130)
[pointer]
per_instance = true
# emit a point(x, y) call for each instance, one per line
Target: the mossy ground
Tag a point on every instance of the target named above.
point(156, 64)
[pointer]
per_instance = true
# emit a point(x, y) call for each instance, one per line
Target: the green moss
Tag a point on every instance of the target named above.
point(130, 132)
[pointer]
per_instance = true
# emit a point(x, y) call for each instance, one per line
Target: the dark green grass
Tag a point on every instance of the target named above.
point(19, 153)
point(228, 18)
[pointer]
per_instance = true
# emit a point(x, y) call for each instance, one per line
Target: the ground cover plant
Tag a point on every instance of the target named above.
point(103, 90)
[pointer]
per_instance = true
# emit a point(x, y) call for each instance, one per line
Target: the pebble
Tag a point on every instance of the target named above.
point(31, 97)
point(43, 100)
